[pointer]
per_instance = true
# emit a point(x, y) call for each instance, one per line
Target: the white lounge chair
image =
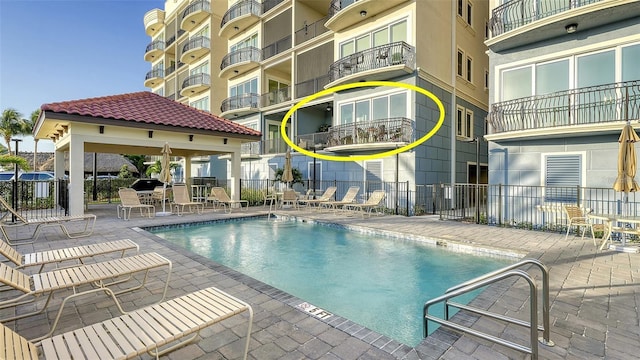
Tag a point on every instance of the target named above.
point(291, 197)
point(70, 278)
point(326, 196)
point(348, 198)
point(221, 198)
point(155, 329)
point(56, 256)
point(374, 201)
point(181, 200)
point(40, 223)
point(129, 200)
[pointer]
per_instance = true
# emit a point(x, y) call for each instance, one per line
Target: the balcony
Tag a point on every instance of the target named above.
point(195, 84)
point(344, 13)
point(310, 31)
point(153, 21)
point(240, 105)
point(276, 48)
point(239, 17)
point(377, 63)
point(373, 135)
point(194, 14)
point(240, 61)
point(250, 150)
point(194, 49)
point(592, 109)
point(269, 4)
point(275, 97)
point(153, 78)
point(154, 50)
point(309, 87)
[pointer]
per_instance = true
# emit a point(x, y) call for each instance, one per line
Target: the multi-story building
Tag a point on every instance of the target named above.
point(564, 80)
point(259, 59)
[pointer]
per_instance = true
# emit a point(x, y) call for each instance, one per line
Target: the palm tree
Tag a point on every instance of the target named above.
point(12, 124)
point(29, 124)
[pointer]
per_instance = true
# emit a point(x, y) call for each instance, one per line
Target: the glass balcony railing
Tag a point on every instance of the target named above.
point(155, 73)
point(275, 97)
point(516, 13)
point(196, 79)
point(583, 106)
point(241, 55)
point(240, 102)
point(337, 5)
point(155, 45)
point(308, 32)
point(196, 42)
point(201, 5)
point(269, 4)
point(241, 8)
point(276, 47)
point(308, 87)
point(374, 58)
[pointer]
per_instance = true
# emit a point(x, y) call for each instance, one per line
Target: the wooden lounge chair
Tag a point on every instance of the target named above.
point(348, 198)
point(374, 201)
point(40, 223)
point(56, 256)
point(223, 199)
point(70, 278)
point(326, 196)
point(129, 200)
point(155, 329)
point(181, 200)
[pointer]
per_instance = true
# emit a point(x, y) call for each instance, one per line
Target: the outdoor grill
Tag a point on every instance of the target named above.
point(146, 184)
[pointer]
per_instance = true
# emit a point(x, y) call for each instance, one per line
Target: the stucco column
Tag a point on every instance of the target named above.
point(234, 184)
point(187, 169)
point(58, 164)
point(76, 176)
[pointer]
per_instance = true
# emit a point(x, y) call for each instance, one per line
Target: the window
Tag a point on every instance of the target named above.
point(469, 68)
point(460, 7)
point(486, 29)
point(201, 104)
point(460, 64)
point(202, 69)
point(469, 124)
point(383, 107)
point(562, 176)
point(459, 120)
point(630, 68)
point(464, 122)
point(486, 78)
point(469, 12)
point(596, 69)
point(516, 83)
point(251, 41)
point(389, 34)
point(247, 87)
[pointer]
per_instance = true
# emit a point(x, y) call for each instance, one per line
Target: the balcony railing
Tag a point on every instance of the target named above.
point(590, 105)
point(312, 86)
point(276, 96)
point(240, 102)
point(155, 45)
point(242, 55)
point(241, 8)
point(337, 5)
point(201, 5)
point(277, 47)
point(250, 149)
point(516, 13)
point(317, 140)
point(171, 69)
point(398, 129)
point(196, 79)
point(375, 58)
point(308, 32)
point(196, 42)
point(269, 4)
point(155, 73)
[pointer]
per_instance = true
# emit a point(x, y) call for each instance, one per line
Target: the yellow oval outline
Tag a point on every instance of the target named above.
point(334, 89)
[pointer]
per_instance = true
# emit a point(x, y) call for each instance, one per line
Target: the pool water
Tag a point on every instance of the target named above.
point(379, 282)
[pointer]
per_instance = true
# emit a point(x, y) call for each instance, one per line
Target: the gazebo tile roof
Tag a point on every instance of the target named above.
point(149, 108)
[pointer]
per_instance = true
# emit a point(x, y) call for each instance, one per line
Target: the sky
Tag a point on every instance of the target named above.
point(60, 50)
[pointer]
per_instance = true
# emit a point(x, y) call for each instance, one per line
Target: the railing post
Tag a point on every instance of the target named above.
point(500, 204)
point(407, 191)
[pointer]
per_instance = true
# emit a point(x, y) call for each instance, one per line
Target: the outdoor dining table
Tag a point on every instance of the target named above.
point(626, 225)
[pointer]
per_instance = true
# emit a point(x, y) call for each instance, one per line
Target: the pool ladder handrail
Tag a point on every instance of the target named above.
point(490, 278)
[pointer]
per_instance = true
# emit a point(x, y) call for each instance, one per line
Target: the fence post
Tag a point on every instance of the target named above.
point(407, 187)
point(578, 200)
point(441, 200)
point(499, 204)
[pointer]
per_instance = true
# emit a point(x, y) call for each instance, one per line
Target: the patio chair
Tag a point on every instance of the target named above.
point(181, 200)
point(269, 196)
point(291, 197)
point(79, 253)
point(326, 196)
point(156, 329)
point(40, 223)
point(374, 201)
point(223, 199)
point(577, 216)
point(129, 200)
point(348, 198)
point(70, 278)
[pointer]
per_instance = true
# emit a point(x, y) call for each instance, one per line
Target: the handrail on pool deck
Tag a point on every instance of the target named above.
point(490, 278)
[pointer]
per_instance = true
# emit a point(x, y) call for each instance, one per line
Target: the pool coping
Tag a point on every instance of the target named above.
point(433, 346)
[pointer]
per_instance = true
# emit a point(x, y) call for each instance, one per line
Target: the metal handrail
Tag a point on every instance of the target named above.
point(491, 278)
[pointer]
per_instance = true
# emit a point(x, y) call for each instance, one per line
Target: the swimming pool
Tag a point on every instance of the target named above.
point(376, 281)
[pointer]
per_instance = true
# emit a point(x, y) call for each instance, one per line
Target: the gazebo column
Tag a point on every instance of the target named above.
point(76, 175)
point(187, 170)
point(234, 185)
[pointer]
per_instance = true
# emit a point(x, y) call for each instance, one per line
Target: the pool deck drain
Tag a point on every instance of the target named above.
point(594, 295)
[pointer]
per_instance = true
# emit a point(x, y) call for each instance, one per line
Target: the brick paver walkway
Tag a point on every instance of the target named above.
point(594, 296)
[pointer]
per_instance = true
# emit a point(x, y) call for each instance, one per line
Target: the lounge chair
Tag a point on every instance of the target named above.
point(326, 196)
point(181, 200)
point(56, 256)
point(129, 200)
point(134, 333)
point(577, 216)
point(70, 278)
point(40, 223)
point(269, 196)
point(348, 198)
point(223, 199)
point(289, 196)
point(374, 201)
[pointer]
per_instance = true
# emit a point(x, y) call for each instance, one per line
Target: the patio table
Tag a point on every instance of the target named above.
point(626, 225)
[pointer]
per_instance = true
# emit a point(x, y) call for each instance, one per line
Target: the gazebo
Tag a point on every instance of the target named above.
point(136, 123)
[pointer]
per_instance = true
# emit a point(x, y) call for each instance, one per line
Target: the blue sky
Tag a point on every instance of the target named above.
point(58, 50)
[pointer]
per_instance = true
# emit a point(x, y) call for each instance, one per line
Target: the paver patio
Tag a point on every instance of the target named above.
point(594, 296)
